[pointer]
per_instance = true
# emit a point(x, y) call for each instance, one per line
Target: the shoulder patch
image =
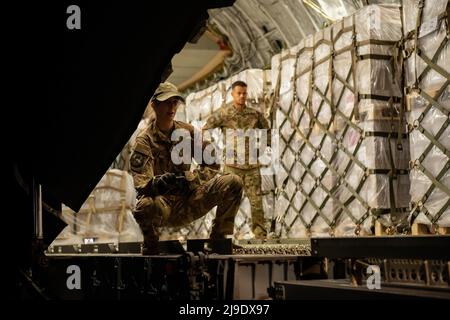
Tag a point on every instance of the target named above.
point(140, 156)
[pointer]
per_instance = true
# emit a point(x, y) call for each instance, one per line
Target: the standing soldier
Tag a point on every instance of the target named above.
point(237, 115)
point(168, 193)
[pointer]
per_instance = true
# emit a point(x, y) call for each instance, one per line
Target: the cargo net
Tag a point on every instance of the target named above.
point(427, 77)
point(199, 106)
point(343, 149)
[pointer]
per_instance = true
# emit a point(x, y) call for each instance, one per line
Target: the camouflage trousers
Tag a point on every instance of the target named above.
point(252, 188)
point(225, 192)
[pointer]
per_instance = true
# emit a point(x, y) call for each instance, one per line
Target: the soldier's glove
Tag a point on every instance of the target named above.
point(181, 186)
point(167, 183)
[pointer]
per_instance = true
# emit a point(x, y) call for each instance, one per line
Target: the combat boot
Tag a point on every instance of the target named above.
point(150, 233)
point(217, 240)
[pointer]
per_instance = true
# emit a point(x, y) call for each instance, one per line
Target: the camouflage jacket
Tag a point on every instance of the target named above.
point(229, 117)
point(151, 156)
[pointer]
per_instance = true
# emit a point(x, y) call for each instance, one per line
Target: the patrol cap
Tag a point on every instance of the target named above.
point(165, 91)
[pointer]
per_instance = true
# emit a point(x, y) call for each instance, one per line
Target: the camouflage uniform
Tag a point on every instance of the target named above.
point(229, 117)
point(152, 157)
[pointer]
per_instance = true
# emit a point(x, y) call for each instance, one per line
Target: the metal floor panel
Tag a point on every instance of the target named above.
point(343, 290)
point(399, 247)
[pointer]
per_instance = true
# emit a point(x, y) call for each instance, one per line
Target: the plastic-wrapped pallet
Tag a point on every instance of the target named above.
point(427, 79)
point(289, 199)
point(199, 106)
point(373, 155)
point(106, 216)
point(344, 120)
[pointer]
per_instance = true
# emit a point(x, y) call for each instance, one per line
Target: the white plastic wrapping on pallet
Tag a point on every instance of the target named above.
point(318, 127)
point(379, 154)
point(199, 106)
point(283, 69)
point(294, 127)
point(432, 208)
point(433, 32)
point(368, 172)
point(427, 79)
point(374, 77)
point(106, 216)
point(311, 193)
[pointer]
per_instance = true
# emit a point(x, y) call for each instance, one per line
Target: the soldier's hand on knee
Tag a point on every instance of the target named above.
point(159, 185)
point(168, 183)
point(181, 185)
point(164, 183)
